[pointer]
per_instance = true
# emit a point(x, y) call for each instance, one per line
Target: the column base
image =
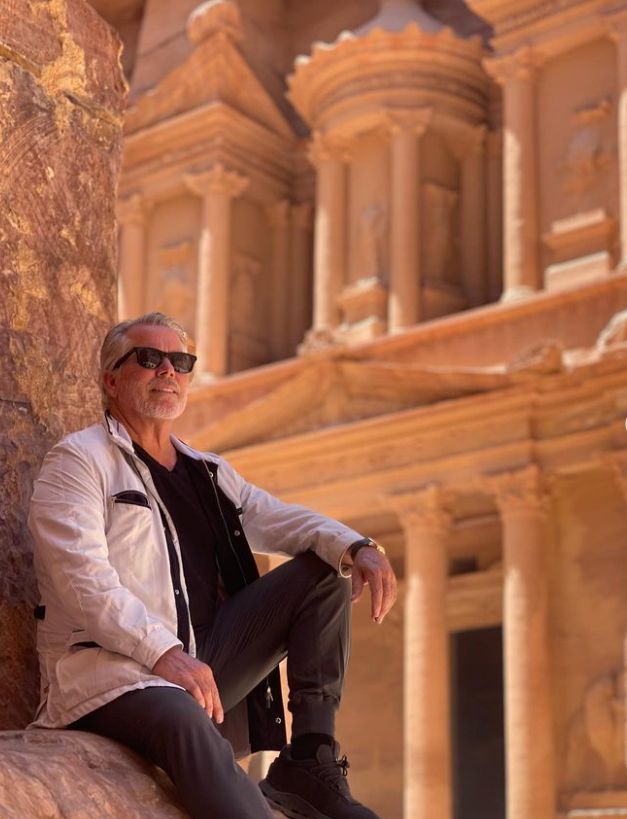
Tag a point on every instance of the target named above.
point(362, 331)
point(517, 293)
point(318, 340)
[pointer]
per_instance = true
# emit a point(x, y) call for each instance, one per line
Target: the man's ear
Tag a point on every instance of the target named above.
point(109, 383)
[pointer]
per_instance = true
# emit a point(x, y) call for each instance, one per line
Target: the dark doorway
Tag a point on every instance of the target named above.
point(477, 724)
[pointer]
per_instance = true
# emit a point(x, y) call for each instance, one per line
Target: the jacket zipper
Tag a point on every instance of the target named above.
point(167, 532)
point(269, 697)
point(224, 523)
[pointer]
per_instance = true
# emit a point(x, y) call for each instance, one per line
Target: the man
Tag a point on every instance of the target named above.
point(153, 621)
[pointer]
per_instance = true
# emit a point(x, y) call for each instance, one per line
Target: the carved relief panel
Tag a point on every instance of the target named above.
point(440, 203)
point(576, 115)
point(176, 293)
point(439, 240)
point(251, 295)
point(172, 259)
point(249, 346)
point(368, 210)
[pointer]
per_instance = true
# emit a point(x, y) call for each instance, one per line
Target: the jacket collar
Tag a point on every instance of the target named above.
point(119, 435)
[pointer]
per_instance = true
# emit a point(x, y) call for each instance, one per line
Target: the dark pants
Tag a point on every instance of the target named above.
point(302, 610)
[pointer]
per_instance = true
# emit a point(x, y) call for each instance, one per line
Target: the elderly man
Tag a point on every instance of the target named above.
point(154, 626)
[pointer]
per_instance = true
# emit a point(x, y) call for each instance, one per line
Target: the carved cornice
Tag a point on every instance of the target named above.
point(362, 70)
point(215, 17)
point(216, 180)
point(615, 21)
point(507, 20)
point(327, 147)
point(421, 510)
point(518, 493)
point(279, 214)
point(519, 65)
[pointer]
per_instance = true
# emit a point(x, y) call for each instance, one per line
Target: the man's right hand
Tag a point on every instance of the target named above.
point(178, 667)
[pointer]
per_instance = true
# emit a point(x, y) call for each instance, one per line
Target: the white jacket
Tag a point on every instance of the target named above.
point(103, 570)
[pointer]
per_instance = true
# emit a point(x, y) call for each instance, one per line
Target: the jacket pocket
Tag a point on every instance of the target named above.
point(132, 497)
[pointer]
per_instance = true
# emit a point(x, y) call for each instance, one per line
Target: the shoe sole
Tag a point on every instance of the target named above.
point(290, 804)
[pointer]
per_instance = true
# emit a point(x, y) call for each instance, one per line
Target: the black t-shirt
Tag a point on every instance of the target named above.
point(184, 491)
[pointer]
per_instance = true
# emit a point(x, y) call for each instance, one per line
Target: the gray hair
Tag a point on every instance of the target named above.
point(116, 343)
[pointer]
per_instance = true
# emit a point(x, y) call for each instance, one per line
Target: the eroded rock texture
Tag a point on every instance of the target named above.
point(61, 102)
point(52, 774)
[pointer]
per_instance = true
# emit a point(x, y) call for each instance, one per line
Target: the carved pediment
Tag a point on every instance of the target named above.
point(214, 72)
point(330, 392)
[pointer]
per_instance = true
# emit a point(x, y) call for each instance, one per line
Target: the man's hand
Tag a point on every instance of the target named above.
point(373, 568)
point(178, 667)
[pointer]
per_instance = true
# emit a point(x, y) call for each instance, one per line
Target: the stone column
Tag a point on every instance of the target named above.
point(520, 217)
point(405, 281)
point(279, 218)
point(300, 273)
point(217, 187)
point(494, 210)
point(618, 33)
point(473, 219)
point(329, 155)
point(426, 723)
point(528, 715)
point(132, 217)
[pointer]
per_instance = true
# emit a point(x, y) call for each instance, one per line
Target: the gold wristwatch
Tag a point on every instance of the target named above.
point(360, 544)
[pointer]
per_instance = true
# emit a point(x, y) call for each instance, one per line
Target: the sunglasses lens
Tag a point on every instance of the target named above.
point(149, 358)
point(182, 362)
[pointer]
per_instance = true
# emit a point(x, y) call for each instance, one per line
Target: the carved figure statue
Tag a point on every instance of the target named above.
point(595, 745)
point(371, 244)
point(587, 154)
point(438, 229)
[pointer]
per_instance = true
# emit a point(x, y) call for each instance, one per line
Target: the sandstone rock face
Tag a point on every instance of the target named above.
point(50, 774)
point(61, 101)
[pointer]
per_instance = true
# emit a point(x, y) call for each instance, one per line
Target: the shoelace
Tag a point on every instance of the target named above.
point(329, 772)
point(344, 764)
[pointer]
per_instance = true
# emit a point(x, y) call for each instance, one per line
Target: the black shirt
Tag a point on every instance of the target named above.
point(185, 491)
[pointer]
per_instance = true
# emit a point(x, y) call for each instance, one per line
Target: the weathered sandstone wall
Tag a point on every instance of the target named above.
point(61, 101)
point(58, 773)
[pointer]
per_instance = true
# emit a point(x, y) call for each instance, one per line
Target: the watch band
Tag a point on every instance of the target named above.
point(364, 542)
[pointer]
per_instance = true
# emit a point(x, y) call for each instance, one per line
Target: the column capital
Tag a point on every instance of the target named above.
point(615, 19)
point(216, 180)
point(132, 209)
point(422, 508)
point(325, 147)
point(518, 493)
point(279, 213)
point(417, 120)
point(302, 215)
point(519, 65)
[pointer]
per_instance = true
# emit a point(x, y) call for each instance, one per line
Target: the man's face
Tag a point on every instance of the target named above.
point(159, 393)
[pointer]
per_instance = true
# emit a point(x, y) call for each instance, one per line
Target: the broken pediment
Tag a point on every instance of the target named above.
point(214, 72)
point(333, 391)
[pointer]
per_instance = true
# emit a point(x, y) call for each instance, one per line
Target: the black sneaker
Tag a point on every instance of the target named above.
point(312, 788)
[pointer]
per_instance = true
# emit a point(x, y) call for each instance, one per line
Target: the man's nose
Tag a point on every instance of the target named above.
point(165, 367)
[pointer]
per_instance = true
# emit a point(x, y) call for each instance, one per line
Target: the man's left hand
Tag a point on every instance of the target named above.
point(373, 568)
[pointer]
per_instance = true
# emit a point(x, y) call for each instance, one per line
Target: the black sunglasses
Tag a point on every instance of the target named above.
point(150, 359)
